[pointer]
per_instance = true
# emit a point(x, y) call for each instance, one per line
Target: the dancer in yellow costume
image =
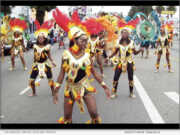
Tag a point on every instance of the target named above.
point(163, 48)
point(77, 64)
point(42, 55)
point(124, 63)
point(18, 48)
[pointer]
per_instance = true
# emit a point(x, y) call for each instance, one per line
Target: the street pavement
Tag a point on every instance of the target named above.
point(157, 94)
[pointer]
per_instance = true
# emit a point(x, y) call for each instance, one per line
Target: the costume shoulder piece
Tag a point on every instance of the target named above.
point(131, 44)
point(65, 55)
point(48, 47)
point(35, 46)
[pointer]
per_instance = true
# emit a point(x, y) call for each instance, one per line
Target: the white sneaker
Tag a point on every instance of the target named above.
point(25, 68)
point(156, 71)
point(114, 95)
point(11, 69)
point(132, 95)
point(170, 71)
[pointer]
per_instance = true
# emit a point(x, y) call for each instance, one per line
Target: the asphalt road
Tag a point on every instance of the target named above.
point(157, 94)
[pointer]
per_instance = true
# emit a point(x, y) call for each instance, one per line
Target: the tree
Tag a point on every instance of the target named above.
point(159, 9)
point(144, 9)
point(41, 12)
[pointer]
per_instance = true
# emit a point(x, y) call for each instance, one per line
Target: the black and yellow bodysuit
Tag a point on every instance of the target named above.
point(124, 63)
point(41, 65)
point(163, 48)
point(78, 68)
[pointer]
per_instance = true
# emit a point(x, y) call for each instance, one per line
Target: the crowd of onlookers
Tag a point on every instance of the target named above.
point(57, 35)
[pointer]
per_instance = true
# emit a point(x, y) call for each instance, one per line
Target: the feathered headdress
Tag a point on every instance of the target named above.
point(74, 27)
point(108, 27)
point(44, 28)
point(93, 27)
point(168, 26)
point(18, 25)
point(130, 25)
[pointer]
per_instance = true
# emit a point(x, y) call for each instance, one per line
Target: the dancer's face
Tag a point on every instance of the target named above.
point(162, 32)
point(16, 34)
point(82, 41)
point(125, 34)
point(41, 39)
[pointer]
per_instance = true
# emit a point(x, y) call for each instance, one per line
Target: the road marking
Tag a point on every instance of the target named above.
point(1, 116)
point(150, 107)
point(173, 95)
point(28, 88)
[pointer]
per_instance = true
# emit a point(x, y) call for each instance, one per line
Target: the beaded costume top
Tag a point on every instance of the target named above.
point(126, 52)
point(77, 67)
point(41, 53)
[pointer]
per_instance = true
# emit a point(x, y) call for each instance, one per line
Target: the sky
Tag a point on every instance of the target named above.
point(123, 9)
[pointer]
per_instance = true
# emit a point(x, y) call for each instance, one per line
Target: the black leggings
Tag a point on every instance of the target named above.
point(104, 54)
point(117, 74)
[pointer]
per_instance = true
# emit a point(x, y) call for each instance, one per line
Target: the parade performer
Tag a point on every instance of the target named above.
point(2, 44)
point(76, 62)
point(18, 48)
point(125, 62)
point(163, 48)
point(41, 65)
point(108, 37)
point(145, 44)
point(6, 35)
point(96, 45)
point(170, 29)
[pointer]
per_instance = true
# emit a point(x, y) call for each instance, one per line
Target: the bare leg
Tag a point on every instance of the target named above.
point(2, 54)
point(158, 61)
point(32, 85)
point(168, 61)
point(12, 60)
point(68, 108)
point(147, 52)
point(99, 61)
point(90, 102)
point(142, 53)
point(22, 60)
point(51, 84)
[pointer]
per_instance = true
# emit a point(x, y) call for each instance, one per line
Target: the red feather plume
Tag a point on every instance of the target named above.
point(75, 17)
point(61, 19)
point(47, 24)
point(132, 23)
point(36, 22)
point(18, 23)
point(92, 26)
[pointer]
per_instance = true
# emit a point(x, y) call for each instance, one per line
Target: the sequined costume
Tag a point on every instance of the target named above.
point(41, 65)
point(76, 64)
point(17, 47)
point(124, 63)
point(163, 48)
point(77, 83)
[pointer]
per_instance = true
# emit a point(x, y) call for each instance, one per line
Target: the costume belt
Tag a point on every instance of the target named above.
point(42, 68)
point(78, 91)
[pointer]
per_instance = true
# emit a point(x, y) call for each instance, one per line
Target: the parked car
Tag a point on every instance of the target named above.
point(7, 49)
